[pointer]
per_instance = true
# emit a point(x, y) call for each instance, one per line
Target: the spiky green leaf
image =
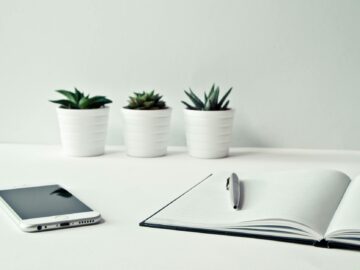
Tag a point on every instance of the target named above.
point(77, 100)
point(224, 97)
point(64, 103)
point(146, 101)
point(194, 99)
point(211, 100)
point(225, 107)
point(84, 103)
point(78, 95)
point(188, 105)
point(69, 95)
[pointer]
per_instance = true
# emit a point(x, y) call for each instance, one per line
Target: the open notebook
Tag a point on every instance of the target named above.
point(320, 207)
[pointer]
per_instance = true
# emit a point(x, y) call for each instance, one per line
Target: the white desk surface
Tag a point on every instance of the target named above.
point(127, 190)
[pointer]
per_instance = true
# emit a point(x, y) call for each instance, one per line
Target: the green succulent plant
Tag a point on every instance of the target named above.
point(78, 100)
point(211, 100)
point(146, 101)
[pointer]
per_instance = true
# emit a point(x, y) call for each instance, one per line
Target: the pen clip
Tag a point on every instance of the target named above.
point(228, 183)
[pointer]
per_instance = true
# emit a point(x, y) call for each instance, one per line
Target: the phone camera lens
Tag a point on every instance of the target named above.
point(39, 228)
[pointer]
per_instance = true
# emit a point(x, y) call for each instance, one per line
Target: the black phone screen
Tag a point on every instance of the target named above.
point(42, 201)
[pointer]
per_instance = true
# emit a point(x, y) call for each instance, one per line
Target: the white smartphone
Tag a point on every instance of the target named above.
point(42, 208)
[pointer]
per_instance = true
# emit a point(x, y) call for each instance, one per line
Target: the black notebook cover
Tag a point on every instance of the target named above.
point(322, 243)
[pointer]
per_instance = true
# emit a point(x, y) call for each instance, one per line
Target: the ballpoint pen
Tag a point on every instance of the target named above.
point(233, 186)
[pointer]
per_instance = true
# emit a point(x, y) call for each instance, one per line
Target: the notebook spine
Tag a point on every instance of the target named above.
point(322, 243)
point(343, 246)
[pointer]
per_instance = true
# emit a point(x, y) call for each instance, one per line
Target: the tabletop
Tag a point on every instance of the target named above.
point(127, 190)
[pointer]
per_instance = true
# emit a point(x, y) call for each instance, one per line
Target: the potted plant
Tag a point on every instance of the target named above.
point(208, 124)
point(146, 125)
point(83, 123)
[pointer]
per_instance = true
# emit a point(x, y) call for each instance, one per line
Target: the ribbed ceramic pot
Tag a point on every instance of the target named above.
point(83, 132)
point(208, 133)
point(146, 132)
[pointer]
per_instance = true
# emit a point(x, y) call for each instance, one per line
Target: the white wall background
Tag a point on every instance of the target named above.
point(294, 65)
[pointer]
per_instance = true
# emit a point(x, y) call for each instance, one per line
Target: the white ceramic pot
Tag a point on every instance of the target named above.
point(208, 133)
point(83, 132)
point(146, 132)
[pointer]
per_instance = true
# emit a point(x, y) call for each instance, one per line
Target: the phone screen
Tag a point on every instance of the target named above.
point(42, 201)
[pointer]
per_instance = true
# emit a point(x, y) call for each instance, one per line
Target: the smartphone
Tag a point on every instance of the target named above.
point(43, 208)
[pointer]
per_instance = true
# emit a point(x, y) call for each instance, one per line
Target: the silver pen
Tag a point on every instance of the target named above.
point(234, 188)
